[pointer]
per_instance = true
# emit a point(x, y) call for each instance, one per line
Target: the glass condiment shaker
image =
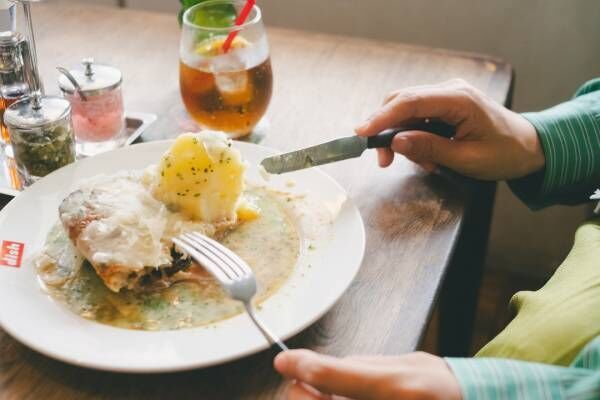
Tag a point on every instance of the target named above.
point(15, 75)
point(8, 19)
point(98, 115)
point(41, 133)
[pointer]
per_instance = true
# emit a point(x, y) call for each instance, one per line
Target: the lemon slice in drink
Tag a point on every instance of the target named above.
point(214, 46)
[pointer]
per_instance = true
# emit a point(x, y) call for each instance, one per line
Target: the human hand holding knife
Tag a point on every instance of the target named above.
point(348, 147)
point(489, 142)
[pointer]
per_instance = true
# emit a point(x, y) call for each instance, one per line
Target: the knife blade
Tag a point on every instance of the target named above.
point(347, 147)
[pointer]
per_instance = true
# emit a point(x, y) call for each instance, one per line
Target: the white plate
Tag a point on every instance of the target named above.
point(31, 316)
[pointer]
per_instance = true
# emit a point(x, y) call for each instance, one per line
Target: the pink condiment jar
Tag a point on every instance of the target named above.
point(97, 107)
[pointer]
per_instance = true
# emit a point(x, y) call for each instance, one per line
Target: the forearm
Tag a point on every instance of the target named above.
point(494, 378)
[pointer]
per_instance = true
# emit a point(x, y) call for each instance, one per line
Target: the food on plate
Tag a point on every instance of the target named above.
point(123, 231)
point(202, 177)
point(123, 224)
point(111, 259)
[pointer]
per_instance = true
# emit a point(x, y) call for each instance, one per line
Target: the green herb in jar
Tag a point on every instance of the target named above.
point(39, 151)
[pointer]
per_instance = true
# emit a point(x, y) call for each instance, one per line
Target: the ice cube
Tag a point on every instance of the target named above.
point(235, 87)
point(231, 83)
point(232, 79)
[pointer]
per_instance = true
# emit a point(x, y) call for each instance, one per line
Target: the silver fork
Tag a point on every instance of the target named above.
point(234, 275)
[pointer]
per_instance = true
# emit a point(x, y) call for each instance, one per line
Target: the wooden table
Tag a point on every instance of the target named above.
point(324, 86)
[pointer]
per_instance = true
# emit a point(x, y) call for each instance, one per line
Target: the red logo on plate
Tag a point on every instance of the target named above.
point(11, 255)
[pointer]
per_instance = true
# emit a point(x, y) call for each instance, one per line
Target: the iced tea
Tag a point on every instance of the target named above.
point(225, 89)
point(231, 101)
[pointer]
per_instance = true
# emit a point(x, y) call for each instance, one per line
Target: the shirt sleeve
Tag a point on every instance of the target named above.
point(495, 378)
point(570, 138)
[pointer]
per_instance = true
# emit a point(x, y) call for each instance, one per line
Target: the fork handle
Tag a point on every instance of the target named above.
point(271, 338)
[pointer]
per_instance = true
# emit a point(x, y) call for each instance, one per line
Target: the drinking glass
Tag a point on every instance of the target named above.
point(224, 90)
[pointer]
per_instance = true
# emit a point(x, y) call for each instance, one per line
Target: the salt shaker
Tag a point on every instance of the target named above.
point(41, 134)
point(97, 106)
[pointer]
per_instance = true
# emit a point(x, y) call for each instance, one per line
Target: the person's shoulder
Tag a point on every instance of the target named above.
point(590, 86)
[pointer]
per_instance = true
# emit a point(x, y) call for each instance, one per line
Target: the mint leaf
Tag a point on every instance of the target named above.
point(220, 16)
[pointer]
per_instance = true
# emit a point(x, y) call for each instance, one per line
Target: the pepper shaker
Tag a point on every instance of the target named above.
point(97, 106)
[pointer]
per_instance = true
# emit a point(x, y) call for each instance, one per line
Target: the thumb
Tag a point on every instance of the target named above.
point(423, 147)
point(330, 374)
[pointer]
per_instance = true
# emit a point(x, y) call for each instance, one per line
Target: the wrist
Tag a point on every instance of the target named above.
point(534, 159)
point(454, 391)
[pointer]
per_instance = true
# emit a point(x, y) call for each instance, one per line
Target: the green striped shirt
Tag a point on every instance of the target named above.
point(570, 138)
point(496, 378)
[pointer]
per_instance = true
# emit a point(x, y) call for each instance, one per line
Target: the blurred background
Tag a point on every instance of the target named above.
point(552, 45)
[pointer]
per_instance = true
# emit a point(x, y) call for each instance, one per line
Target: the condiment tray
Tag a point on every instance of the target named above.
point(10, 183)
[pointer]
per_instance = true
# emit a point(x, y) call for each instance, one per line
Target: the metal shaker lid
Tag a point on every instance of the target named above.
point(37, 112)
point(93, 78)
point(8, 20)
point(10, 51)
point(10, 39)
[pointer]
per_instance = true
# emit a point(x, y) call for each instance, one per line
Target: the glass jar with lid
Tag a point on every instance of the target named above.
point(41, 133)
point(97, 104)
point(15, 75)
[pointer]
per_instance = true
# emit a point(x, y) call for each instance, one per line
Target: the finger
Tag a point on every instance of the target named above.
point(375, 360)
point(389, 97)
point(428, 166)
point(385, 156)
point(300, 391)
point(447, 104)
point(330, 374)
point(404, 150)
point(449, 83)
point(428, 149)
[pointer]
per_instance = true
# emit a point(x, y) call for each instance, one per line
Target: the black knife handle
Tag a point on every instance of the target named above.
point(384, 138)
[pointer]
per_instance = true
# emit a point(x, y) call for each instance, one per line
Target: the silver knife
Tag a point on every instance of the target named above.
point(347, 147)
